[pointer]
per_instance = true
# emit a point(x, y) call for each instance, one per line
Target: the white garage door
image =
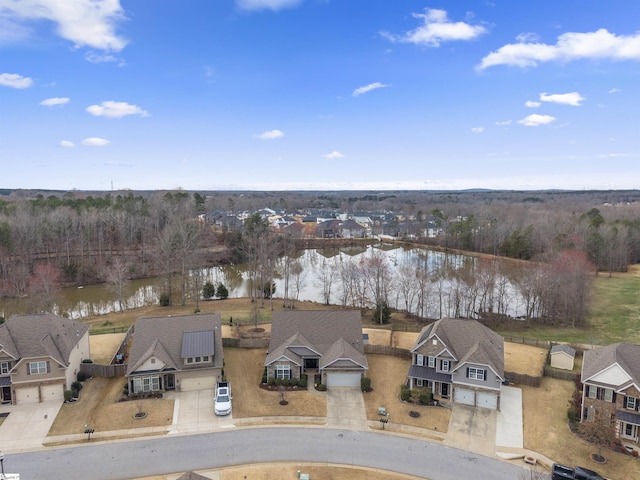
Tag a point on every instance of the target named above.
point(27, 395)
point(52, 392)
point(487, 400)
point(200, 383)
point(343, 379)
point(464, 396)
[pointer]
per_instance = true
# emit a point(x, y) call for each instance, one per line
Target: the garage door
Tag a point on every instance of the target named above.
point(27, 395)
point(464, 396)
point(200, 383)
point(52, 392)
point(487, 400)
point(343, 379)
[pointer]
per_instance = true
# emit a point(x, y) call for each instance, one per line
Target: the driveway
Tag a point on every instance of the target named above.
point(345, 408)
point(193, 413)
point(27, 425)
point(472, 429)
point(509, 431)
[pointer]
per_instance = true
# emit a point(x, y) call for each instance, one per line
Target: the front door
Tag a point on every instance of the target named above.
point(6, 394)
point(170, 382)
point(444, 390)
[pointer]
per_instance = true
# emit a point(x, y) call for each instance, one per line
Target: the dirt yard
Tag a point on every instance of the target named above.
point(98, 407)
point(524, 359)
point(104, 347)
point(243, 368)
point(546, 431)
point(387, 374)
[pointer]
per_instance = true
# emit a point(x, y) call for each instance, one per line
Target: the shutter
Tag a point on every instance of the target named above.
point(467, 372)
point(28, 368)
point(48, 367)
point(484, 375)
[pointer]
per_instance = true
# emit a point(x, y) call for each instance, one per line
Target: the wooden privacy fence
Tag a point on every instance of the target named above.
point(108, 371)
point(523, 379)
point(534, 342)
point(560, 374)
point(387, 350)
point(123, 344)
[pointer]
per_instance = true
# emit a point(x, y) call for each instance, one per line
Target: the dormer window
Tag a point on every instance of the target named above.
point(199, 359)
point(434, 341)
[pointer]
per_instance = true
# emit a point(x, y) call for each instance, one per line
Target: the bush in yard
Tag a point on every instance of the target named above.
point(365, 384)
point(293, 382)
point(425, 396)
point(271, 382)
point(208, 291)
point(67, 395)
point(302, 381)
point(264, 378)
point(405, 393)
point(222, 292)
point(87, 360)
point(321, 387)
point(82, 376)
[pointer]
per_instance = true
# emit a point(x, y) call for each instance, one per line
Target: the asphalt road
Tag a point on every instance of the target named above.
point(130, 459)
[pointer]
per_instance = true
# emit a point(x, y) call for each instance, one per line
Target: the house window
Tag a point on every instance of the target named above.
point(36, 368)
point(419, 359)
point(444, 365)
point(146, 384)
point(4, 367)
point(630, 403)
point(432, 361)
point(608, 395)
point(283, 371)
point(476, 373)
point(419, 382)
point(588, 414)
point(199, 359)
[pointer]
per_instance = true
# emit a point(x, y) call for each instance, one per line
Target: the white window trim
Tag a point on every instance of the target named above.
point(476, 373)
point(608, 395)
point(419, 382)
point(198, 359)
point(432, 361)
point(445, 365)
point(36, 367)
point(630, 403)
point(4, 367)
point(592, 391)
point(283, 371)
point(419, 359)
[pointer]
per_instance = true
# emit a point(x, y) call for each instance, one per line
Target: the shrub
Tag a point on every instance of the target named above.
point(293, 382)
point(285, 382)
point(271, 382)
point(67, 395)
point(264, 378)
point(572, 415)
point(208, 291)
point(425, 396)
point(405, 393)
point(87, 360)
point(165, 300)
point(365, 384)
point(321, 387)
point(302, 381)
point(82, 376)
point(222, 292)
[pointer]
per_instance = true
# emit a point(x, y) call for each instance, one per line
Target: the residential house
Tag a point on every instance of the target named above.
point(352, 229)
point(175, 353)
point(40, 357)
point(461, 360)
point(327, 343)
point(328, 229)
point(611, 379)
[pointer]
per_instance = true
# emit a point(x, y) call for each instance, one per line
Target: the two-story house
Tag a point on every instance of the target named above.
point(611, 379)
point(175, 353)
point(40, 357)
point(459, 359)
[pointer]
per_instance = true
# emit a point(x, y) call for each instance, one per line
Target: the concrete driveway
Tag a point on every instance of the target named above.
point(193, 413)
point(27, 425)
point(509, 430)
point(472, 429)
point(345, 408)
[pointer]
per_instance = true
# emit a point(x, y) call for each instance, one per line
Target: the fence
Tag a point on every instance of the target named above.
point(123, 344)
point(534, 342)
point(561, 374)
point(523, 379)
point(386, 350)
point(245, 342)
point(97, 370)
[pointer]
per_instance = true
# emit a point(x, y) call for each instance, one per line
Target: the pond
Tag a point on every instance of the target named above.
point(425, 282)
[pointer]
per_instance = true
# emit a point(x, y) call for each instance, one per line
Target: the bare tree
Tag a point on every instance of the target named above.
point(116, 274)
point(43, 287)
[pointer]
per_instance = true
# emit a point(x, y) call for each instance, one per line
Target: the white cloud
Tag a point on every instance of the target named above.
point(84, 22)
point(93, 57)
point(503, 123)
point(95, 142)
point(14, 80)
point(527, 37)
point(615, 90)
point(574, 98)
point(333, 155)
point(570, 46)
point(113, 109)
point(270, 135)
point(477, 129)
point(368, 88)
point(534, 120)
point(67, 144)
point(50, 102)
point(436, 29)
point(274, 5)
point(532, 104)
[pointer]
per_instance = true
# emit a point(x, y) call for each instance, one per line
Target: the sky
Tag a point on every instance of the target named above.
point(319, 94)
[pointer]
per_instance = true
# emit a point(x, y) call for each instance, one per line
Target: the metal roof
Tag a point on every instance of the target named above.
point(197, 343)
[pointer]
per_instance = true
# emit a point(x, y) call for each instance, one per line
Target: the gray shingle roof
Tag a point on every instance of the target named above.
point(564, 349)
point(320, 330)
point(627, 355)
point(163, 337)
point(41, 335)
point(468, 341)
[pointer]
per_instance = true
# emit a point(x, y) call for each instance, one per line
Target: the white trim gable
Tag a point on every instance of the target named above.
point(4, 352)
point(342, 359)
point(151, 363)
point(440, 343)
point(613, 375)
point(283, 358)
point(305, 346)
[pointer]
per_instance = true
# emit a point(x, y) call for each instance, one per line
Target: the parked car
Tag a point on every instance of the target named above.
point(222, 403)
point(562, 472)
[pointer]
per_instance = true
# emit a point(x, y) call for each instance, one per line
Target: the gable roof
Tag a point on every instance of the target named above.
point(332, 334)
point(41, 335)
point(170, 339)
point(626, 355)
point(561, 348)
point(468, 341)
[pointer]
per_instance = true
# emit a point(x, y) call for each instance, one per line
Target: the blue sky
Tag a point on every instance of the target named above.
point(319, 94)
